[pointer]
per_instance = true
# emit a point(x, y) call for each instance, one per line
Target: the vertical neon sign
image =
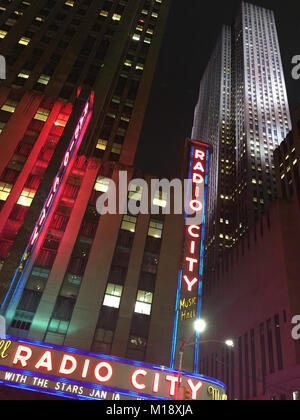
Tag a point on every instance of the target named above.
point(189, 293)
point(18, 281)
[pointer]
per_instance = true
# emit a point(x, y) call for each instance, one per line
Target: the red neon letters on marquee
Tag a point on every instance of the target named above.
point(103, 372)
point(191, 268)
point(58, 178)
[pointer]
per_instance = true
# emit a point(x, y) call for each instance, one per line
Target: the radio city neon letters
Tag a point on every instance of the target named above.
point(191, 261)
point(59, 177)
point(103, 371)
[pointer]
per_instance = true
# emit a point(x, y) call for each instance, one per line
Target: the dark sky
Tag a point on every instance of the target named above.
point(192, 32)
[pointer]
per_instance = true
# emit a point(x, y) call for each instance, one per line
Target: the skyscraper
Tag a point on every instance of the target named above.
point(68, 275)
point(243, 111)
point(250, 280)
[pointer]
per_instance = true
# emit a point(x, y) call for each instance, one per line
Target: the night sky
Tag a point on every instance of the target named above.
point(192, 32)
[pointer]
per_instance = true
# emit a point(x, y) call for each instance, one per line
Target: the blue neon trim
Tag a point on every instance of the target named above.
point(174, 340)
point(176, 321)
point(200, 287)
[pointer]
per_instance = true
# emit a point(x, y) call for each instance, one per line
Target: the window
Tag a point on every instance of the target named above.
point(137, 343)
point(155, 229)
point(24, 41)
point(116, 148)
point(5, 190)
point(129, 223)
point(102, 184)
point(42, 114)
point(71, 286)
point(44, 79)
point(38, 279)
point(143, 303)
point(26, 197)
point(113, 296)
point(24, 74)
point(135, 192)
point(116, 17)
point(102, 341)
point(9, 106)
point(102, 144)
point(160, 199)
point(3, 34)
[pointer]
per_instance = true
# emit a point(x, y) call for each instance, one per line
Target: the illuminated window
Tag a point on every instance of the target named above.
point(129, 223)
point(58, 326)
point(42, 114)
point(26, 197)
point(155, 229)
point(61, 120)
point(102, 144)
point(135, 192)
point(160, 199)
point(25, 74)
point(143, 303)
point(9, 106)
point(104, 13)
point(113, 296)
point(5, 190)
point(116, 17)
point(3, 34)
point(44, 79)
point(69, 3)
point(102, 184)
point(24, 41)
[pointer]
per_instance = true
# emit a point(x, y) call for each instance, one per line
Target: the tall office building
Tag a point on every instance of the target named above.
point(70, 277)
point(251, 291)
point(244, 112)
point(213, 124)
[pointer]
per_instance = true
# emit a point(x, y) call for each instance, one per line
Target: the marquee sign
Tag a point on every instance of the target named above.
point(189, 294)
point(70, 154)
point(78, 374)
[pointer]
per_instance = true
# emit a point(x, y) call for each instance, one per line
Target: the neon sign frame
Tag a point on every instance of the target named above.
point(192, 266)
point(30, 359)
point(17, 284)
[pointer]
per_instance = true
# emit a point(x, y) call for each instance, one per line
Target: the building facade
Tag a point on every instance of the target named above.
point(94, 282)
point(253, 296)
